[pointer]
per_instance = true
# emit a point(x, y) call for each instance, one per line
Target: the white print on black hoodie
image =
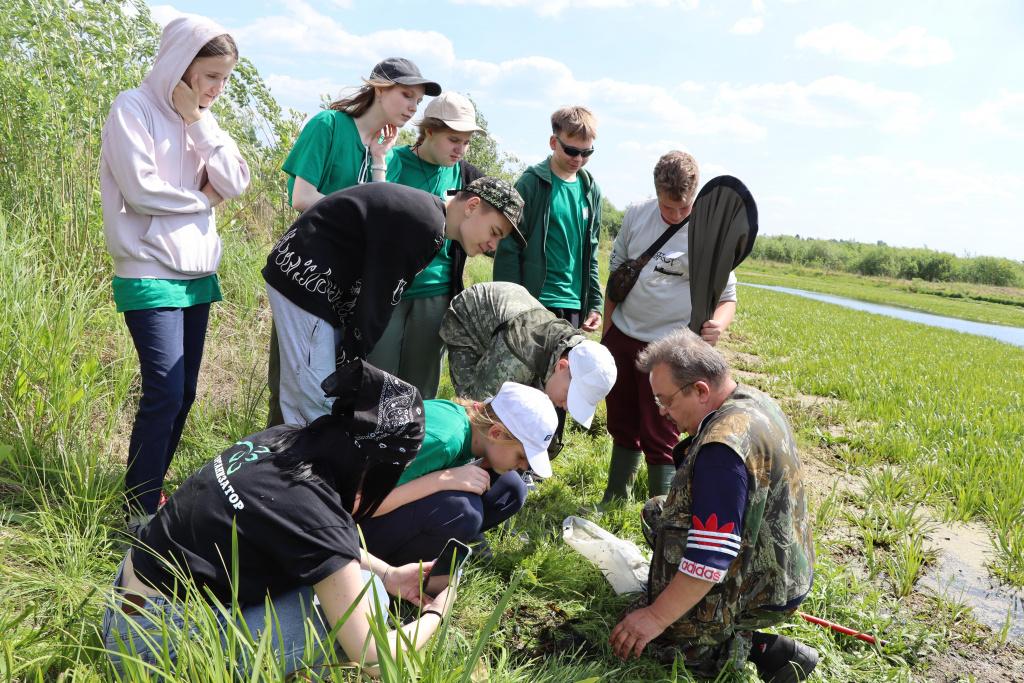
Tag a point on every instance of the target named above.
point(348, 257)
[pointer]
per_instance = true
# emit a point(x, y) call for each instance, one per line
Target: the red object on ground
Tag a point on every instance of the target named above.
point(843, 629)
point(162, 501)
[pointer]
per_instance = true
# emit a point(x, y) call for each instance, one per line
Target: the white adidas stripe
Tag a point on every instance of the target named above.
point(713, 534)
point(715, 548)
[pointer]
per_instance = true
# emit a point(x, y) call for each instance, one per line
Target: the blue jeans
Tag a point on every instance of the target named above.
point(418, 530)
point(169, 342)
point(295, 615)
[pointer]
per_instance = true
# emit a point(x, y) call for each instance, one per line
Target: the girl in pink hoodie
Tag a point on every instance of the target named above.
point(165, 165)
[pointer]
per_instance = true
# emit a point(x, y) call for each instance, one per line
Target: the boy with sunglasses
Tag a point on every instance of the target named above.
point(561, 220)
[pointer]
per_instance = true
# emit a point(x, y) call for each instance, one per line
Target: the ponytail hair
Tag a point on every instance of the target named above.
point(359, 102)
point(482, 417)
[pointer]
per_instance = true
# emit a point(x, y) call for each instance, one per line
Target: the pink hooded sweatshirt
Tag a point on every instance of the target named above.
point(157, 222)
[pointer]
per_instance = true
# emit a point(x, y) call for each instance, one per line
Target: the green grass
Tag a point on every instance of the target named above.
point(943, 407)
point(980, 303)
point(916, 410)
point(928, 414)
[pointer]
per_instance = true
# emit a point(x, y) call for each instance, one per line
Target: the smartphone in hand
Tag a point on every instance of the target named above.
point(447, 567)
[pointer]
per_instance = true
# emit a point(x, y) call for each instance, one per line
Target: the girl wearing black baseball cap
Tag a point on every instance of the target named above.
point(347, 144)
point(351, 141)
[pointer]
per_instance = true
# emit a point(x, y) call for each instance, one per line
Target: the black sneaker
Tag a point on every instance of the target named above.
point(800, 662)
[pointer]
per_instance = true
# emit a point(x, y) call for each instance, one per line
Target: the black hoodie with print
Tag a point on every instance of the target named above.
point(348, 258)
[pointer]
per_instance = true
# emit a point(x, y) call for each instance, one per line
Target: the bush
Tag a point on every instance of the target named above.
point(882, 260)
point(990, 270)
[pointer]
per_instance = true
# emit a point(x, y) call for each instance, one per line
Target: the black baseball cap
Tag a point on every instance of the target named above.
point(403, 71)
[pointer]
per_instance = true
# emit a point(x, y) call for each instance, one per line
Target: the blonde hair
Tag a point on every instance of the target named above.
point(482, 417)
point(359, 102)
point(575, 121)
point(432, 124)
point(676, 175)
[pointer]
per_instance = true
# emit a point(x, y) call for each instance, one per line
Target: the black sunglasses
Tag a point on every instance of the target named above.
point(574, 151)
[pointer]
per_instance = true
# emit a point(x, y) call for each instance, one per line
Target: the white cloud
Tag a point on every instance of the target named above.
point(162, 14)
point(529, 82)
point(922, 183)
point(830, 102)
point(296, 92)
point(747, 26)
point(911, 46)
point(654, 148)
point(909, 202)
point(305, 31)
point(1003, 116)
point(551, 83)
point(550, 8)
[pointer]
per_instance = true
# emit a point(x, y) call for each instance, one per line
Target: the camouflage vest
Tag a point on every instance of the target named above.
point(775, 563)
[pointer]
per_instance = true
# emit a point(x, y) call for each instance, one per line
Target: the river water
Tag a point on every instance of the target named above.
point(1004, 333)
point(962, 553)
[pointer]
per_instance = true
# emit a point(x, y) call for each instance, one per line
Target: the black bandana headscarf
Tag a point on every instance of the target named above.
point(374, 430)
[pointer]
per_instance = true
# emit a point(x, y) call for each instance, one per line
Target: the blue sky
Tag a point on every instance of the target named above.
point(901, 122)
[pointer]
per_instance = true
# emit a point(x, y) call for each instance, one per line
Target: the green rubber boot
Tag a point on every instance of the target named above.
point(659, 479)
point(622, 472)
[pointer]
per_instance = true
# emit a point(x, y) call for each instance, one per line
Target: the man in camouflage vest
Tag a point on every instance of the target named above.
point(497, 332)
point(733, 551)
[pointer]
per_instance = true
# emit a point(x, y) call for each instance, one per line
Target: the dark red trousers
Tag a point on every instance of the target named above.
point(633, 418)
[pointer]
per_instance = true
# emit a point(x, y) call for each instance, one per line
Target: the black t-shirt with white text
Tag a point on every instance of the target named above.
point(290, 533)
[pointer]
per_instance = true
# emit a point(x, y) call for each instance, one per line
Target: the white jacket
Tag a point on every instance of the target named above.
point(156, 220)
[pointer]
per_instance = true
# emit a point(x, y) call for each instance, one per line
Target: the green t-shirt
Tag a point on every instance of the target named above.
point(330, 155)
point(137, 294)
point(563, 282)
point(436, 278)
point(446, 442)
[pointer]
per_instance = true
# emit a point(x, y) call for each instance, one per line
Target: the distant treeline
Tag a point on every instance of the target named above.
point(882, 260)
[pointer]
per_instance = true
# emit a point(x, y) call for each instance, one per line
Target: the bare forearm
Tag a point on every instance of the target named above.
point(373, 563)
point(724, 313)
point(609, 308)
point(421, 487)
point(679, 597)
point(304, 195)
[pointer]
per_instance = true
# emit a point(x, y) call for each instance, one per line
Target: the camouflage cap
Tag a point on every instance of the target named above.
point(503, 197)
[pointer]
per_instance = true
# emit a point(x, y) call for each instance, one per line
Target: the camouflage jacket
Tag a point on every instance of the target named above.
point(775, 564)
point(497, 332)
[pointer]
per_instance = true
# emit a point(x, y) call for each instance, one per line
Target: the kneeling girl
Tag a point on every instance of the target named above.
point(445, 493)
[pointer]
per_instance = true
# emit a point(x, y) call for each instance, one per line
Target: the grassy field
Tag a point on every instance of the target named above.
point(928, 415)
point(980, 303)
point(925, 423)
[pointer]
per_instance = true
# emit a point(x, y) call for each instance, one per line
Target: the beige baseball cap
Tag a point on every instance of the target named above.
point(455, 110)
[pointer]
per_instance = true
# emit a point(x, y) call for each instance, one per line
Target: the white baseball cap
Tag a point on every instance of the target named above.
point(530, 416)
point(593, 375)
point(456, 111)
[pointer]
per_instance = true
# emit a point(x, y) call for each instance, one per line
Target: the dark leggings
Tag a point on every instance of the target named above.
point(169, 342)
point(419, 530)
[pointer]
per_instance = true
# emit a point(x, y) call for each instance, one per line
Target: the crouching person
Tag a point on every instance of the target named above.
point(733, 551)
point(497, 332)
point(286, 501)
point(445, 493)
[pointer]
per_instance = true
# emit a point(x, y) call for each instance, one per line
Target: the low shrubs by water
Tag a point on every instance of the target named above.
point(886, 261)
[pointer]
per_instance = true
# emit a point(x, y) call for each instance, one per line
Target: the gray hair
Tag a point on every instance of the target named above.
point(689, 358)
